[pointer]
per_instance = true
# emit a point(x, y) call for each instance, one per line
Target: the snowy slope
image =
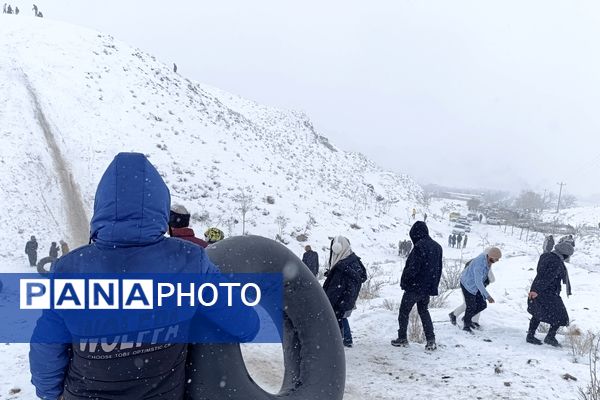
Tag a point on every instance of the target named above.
point(97, 97)
point(71, 98)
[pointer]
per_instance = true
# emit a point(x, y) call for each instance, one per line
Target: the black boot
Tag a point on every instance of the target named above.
point(532, 339)
point(551, 337)
point(400, 342)
point(430, 346)
point(452, 318)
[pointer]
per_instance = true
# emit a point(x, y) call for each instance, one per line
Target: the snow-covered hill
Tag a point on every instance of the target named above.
point(72, 98)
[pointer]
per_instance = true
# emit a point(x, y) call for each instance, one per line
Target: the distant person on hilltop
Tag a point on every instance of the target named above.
point(420, 279)
point(544, 301)
point(480, 218)
point(39, 14)
point(311, 260)
point(16, 10)
point(425, 217)
point(35, 10)
point(31, 248)
point(9, 9)
point(179, 222)
point(4, 9)
point(174, 67)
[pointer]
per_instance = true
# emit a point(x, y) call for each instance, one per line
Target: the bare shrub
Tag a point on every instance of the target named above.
point(592, 392)
point(391, 305)
point(451, 275)
point(580, 343)
point(415, 328)
point(372, 286)
point(440, 300)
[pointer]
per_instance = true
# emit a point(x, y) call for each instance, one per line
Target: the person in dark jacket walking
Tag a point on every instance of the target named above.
point(420, 279)
point(31, 248)
point(345, 276)
point(179, 222)
point(128, 229)
point(465, 241)
point(311, 259)
point(544, 301)
point(53, 250)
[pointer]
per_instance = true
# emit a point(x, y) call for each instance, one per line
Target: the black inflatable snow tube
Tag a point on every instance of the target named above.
point(314, 359)
point(42, 263)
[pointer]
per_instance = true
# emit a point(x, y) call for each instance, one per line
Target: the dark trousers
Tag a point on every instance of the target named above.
point(409, 299)
point(344, 327)
point(475, 304)
point(534, 323)
point(32, 259)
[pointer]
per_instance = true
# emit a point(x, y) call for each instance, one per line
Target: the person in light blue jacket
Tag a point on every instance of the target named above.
point(472, 283)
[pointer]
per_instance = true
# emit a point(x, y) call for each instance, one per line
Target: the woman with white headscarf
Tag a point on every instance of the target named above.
point(345, 276)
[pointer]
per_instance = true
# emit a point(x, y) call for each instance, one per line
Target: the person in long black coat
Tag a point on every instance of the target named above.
point(311, 260)
point(345, 276)
point(53, 250)
point(544, 301)
point(31, 248)
point(420, 279)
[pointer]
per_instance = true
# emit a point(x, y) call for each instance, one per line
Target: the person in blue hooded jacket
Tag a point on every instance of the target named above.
point(472, 284)
point(131, 214)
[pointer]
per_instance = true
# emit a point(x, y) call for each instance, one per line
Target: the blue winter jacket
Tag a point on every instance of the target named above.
point(131, 213)
point(474, 276)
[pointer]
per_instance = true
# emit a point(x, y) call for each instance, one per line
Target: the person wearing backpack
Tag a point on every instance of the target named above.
point(345, 276)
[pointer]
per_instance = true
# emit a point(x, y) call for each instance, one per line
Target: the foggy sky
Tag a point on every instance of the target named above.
point(498, 94)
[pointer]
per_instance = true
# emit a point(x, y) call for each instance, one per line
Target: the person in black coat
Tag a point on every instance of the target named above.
point(544, 301)
point(31, 250)
point(311, 259)
point(345, 276)
point(420, 279)
point(53, 250)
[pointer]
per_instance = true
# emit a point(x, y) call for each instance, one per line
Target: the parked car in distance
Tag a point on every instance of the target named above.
point(473, 217)
point(459, 228)
point(494, 221)
point(454, 216)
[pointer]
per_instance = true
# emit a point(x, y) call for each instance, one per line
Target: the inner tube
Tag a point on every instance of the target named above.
point(314, 359)
point(42, 263)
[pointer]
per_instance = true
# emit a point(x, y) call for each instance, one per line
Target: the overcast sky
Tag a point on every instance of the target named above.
point(500, 94)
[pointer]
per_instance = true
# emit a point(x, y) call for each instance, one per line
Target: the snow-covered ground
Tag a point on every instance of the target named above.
point(71, 98)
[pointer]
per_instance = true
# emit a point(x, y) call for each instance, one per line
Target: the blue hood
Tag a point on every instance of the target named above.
point(132, 203)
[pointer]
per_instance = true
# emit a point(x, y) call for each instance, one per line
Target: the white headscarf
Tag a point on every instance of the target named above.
point(340, 249)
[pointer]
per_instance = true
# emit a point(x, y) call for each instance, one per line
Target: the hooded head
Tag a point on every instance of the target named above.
point(179, 217)
point(418, 231)
point(132, 202)
point(32, 238)
point(339, 250)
